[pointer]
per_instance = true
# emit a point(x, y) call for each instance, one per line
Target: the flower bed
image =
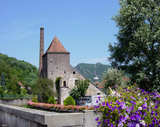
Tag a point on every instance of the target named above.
point(58, 107)
point(130, 107)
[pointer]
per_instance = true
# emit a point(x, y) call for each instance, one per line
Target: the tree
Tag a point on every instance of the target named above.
point(3, 82)
point(138, 48)
point(114, 77)
point(44, 89)
point(80, 89)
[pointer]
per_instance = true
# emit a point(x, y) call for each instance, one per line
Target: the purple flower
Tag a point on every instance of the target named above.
point(133, 98)
point(156, 107)
point(97, 119)
point(122, 105)
point(133, 102)
point(99, 98)
point(144, 106)
point(99, 123)
point(103, 104)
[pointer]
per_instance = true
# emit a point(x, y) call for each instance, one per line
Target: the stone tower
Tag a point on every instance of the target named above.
point(55, 63)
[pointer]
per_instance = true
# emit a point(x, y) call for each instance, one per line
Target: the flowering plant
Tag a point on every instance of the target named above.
point(58, 107)
point(130, 107)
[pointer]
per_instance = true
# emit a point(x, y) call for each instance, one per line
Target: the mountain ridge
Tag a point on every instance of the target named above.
point(90, 71)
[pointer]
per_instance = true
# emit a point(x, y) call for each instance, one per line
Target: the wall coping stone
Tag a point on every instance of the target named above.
point(45, 117)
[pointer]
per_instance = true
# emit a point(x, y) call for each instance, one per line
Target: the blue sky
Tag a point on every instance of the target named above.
point(85, 28)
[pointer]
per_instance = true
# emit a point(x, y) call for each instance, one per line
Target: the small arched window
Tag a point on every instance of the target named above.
point(76, 82)
point(74, 72)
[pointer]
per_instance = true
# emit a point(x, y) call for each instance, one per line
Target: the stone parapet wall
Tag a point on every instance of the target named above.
point(14, 116)
point(18, 102)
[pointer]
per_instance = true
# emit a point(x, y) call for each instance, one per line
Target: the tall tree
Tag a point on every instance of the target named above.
point(138, 48)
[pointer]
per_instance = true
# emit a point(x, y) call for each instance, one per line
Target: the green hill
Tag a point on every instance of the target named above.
point(90, 71)
point(16, 71)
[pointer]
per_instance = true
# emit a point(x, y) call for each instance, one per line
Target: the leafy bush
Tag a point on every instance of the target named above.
point(34, 99)
point(23, 92)
point(130, 107)
point(51, 100)
point(69, 101)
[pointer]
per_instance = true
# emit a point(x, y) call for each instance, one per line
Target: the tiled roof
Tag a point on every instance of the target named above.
point(56, 46)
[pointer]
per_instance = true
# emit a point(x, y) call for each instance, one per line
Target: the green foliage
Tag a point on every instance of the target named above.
point(88, 70)
point(69, 101)
point(114, 78)
point(138, 48)
point(44, 89)
point(51, 100)
point(3, 82)
point(80, 89)
point(14, 71)
point(23, 92)
point(57, 83)
point(1, 90)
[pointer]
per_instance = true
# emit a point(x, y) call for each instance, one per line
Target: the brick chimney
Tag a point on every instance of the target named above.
point(41, 48)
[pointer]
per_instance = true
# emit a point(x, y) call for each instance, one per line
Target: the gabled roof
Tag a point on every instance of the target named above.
point(56, 46)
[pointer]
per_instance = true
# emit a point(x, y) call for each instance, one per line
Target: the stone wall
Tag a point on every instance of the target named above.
point(14, 116)
point(18, 102)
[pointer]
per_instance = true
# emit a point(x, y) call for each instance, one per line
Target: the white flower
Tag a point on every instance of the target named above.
point(117, 94)
point(137, 125)
point(151, 104)
point(142, 122)
point(139, 108)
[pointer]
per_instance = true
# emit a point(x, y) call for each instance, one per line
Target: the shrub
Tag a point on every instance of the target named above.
point(34, 99)
point(69, 101)
point(130, 107)
point(51, 100)
point(80, 89)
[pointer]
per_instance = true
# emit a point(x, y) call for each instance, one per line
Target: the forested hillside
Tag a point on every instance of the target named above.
point(89, 71)
point(15, 71)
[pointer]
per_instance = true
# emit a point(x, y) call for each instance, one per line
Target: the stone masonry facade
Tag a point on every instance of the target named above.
point(56, 63)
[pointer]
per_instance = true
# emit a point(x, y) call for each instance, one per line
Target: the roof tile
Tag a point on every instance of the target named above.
point(56, 46)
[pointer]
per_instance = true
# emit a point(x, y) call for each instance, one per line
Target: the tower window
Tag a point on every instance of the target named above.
point(64, 72)
point(64, 84)
point(74, 72)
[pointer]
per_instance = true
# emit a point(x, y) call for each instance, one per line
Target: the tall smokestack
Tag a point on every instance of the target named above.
point(41, 48)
